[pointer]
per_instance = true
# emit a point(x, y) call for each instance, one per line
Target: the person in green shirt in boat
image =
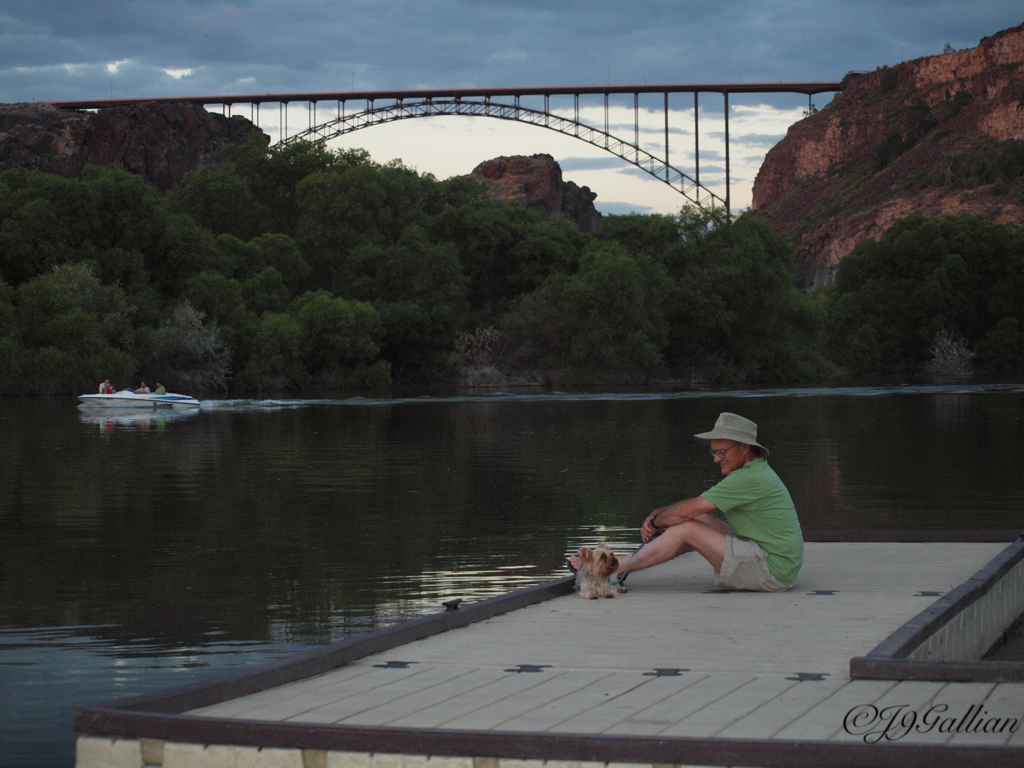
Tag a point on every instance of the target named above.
point(759, 546)
point(159, 389)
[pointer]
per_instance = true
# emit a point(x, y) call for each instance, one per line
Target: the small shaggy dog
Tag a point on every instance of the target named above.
point(596, 565)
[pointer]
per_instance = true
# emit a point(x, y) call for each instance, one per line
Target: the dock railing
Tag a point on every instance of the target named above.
point(948, 640)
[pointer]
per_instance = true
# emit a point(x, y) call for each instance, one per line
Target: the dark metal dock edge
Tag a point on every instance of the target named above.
point(889, 660)
point(158, 716)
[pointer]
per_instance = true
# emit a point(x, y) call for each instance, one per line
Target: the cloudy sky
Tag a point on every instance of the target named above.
point(90, 49)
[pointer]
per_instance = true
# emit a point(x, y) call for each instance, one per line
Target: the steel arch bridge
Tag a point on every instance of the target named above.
point(505, 104)
point(405, 110)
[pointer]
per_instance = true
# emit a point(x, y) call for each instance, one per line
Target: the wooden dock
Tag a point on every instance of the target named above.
point(675, 672)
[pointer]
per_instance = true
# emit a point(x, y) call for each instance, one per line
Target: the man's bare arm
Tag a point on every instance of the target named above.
point(674, 514)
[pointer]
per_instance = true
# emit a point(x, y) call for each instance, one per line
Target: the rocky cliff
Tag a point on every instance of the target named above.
point(941, 135)
point(537, 182)
point(159, 141)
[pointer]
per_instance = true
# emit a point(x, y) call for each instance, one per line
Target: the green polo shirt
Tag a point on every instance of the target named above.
point(758, 507)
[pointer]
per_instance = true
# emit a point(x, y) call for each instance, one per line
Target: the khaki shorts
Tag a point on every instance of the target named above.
point(745, 566)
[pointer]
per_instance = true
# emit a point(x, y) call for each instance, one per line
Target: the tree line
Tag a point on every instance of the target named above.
point(298, 266)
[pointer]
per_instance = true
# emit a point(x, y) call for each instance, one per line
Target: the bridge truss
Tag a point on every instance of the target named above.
point(505, 104)
point(401, 109)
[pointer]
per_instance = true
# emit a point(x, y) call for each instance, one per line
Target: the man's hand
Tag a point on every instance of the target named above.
point(649, 530)
point(674, 514)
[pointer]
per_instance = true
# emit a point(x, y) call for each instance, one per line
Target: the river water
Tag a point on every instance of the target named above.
point(140, 552)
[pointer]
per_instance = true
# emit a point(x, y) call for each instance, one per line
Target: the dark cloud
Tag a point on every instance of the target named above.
point(320, 45)
point(87, 49)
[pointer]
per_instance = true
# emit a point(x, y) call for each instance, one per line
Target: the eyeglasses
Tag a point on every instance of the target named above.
point(722, 451)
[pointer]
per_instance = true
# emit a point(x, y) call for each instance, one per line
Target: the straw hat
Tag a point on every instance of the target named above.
point(732, 427)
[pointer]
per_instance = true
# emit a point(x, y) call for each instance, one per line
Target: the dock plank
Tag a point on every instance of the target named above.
point(434, 698)
point(1004, 702)
point(387, 691)
point(659, 717)
point(793, 703)
point(357, 687)
point(346, 681)
point(555, 713)
point(556, 686)
point(470, 701)
point(723, 712)
point(905, 696)
point(620, 707)
point(957, 698)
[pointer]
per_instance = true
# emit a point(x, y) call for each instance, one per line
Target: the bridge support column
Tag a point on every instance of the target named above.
point(728, 207)
point(636, 126)
point(667, 163)
point(696, 139)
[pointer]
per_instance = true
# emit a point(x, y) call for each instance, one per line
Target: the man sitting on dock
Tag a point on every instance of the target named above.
point(758, 547)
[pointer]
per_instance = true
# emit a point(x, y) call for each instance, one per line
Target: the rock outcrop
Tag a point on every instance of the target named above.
point(537, 182)
point(936, 135)
point(159, 141)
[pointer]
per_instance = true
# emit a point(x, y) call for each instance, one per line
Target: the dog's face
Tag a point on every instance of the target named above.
point(600, 562)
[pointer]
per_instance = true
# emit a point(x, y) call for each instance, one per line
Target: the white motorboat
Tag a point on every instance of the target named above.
point(131, 400)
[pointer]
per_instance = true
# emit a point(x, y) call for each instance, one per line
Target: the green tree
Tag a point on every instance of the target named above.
point(616, 302)
point(508, 250)
point(283, 254)
point(1001, 349)
point(12, 354)
point(130, 214)
point(343, 210)
point(45, 220)
point(220, 200)
point(607, 320)
point(734, 309)
point(652, 235)
point(958, 274)
point(266, 292)
point(186, 353)
point(420, 293)
point(273, 174)
point(73, 331)
point(185, 250)
point(276, 362)
point(335, 332)
point(216, 297)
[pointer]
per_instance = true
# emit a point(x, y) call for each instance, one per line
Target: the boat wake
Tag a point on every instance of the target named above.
point(275, 404)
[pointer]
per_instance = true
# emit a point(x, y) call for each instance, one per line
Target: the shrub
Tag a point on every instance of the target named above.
point(950, 355)
point(474, 349)
point(186, 353)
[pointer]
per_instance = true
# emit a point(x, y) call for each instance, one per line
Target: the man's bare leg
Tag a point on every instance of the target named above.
point(704, 533)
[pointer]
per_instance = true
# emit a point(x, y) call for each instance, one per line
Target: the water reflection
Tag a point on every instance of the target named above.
point(142, 550)
point(107, 419)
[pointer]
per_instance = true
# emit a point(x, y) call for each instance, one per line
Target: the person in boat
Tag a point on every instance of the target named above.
point(106, 388)
point(759, 546)
point(142, 389)
point(159, 389)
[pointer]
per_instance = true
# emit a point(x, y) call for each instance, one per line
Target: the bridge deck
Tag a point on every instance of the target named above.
point(808, 88)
